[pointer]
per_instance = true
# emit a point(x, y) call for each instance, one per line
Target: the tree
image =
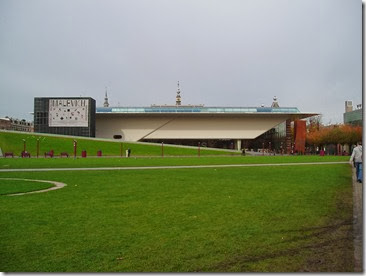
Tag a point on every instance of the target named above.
point(314, 123)
point(334, 134)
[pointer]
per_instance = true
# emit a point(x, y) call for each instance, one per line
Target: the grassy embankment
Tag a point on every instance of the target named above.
point(13, 142)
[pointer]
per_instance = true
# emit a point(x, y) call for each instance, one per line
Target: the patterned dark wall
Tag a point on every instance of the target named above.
point(41, 118)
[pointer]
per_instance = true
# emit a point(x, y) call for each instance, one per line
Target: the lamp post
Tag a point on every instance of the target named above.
point(263, 148)
point(75, 146)
point(162, 149)
point(37, 147)
point(24, 145)
point(199, 149)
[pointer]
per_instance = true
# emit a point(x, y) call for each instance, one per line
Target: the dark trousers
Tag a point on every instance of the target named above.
point(358, 166)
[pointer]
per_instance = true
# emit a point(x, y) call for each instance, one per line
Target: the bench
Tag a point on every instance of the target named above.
point(64, 154)
point(50, 154)
point(25, 154)
point(10, 154)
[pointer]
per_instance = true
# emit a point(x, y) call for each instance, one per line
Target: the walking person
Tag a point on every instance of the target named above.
point(356, 157)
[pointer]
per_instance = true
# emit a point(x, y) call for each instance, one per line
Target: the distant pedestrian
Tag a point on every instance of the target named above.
point(356, 160)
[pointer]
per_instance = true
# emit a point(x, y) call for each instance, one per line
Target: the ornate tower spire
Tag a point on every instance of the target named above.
point(275, 102)
point(106, 104)
point(178, 98)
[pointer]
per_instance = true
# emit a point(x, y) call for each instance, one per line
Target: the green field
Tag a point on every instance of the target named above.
point(10, 186)
point(264, 219)
point(293, 218)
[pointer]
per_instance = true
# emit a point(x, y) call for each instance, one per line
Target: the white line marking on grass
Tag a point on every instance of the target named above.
point(170, 167)
point(58, 185)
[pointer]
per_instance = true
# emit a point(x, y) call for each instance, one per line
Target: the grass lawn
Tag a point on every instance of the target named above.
point(12, 186)
point(264, 219)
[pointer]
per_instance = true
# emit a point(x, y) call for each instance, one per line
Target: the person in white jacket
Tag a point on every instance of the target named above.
point(356, 157)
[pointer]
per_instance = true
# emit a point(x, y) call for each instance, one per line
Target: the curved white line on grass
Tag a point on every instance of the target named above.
point(58, 185)
point(170, 167)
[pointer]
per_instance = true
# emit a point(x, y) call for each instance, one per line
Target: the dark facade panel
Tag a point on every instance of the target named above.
point(73, 116)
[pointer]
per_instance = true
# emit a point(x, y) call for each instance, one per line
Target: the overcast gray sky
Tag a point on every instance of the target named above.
point(223, 52)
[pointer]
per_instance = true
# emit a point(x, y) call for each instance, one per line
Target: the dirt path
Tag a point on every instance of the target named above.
point(357, 221)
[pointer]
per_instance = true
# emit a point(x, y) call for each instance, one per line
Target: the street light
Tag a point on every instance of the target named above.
point(75, 145)
point(24, 144)
point(37, 147)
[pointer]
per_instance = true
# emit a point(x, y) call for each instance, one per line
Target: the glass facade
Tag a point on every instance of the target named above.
point(353, 117)
point(273, 140)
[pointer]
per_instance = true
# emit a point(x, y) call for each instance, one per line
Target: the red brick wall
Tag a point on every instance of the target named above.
point(300, 136)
